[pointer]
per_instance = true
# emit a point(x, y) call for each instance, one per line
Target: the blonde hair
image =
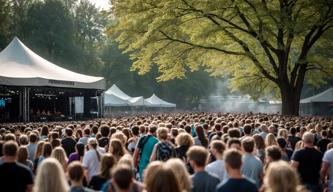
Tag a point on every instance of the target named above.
point(281, 177)
point(299, 145)
point(270, 140)
point(59, 154)
point(127, 159)
point(39, 149)
point(162, 133)
point(178, 167)
point(184, 139)
point(283, 133)
point(121, 136)
point(50, 177)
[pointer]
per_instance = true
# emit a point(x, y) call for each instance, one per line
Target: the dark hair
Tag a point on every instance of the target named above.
point(80, 149)
point(234, 141)
point(69, 132)
point(247, 129)
point(75, 171)
point(33, 137)
point(44, 131)
point(234, 132)
point(47, 149)
point(187, 129)
point(233, 158)
point(55, 143)
point(108, 161)
point(274, 152)
point(282, 142)
point(201, 135)
point(123, 176)
point(248, 144)
point(218, 145)
point(86, 131)
point(94, 129)
point(293, 131)
point(198, 155)
point(10, 148)
point(105, 130)
point(135, 130)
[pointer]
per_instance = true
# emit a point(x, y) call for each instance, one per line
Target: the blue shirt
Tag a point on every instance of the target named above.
point(252, 168)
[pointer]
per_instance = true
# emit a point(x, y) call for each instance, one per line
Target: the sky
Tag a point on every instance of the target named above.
point(104, 4)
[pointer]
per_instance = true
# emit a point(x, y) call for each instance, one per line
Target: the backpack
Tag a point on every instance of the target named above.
point(165, 151)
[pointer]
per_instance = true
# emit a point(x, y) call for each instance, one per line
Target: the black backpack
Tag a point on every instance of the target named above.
point(165, 151)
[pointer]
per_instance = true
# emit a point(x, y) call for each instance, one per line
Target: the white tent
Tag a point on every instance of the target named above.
point(20, 66)
point(116, 97)
point(325, 96)
point(155, 101)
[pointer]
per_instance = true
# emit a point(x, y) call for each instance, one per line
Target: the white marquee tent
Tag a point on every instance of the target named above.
point(155, 101)
point(115, 97)
point(20, 66)
point(325, 96)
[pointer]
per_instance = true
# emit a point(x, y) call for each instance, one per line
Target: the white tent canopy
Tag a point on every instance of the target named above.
point(325, 96)
point(155, 101)
point(116, 97)
point(20, 66)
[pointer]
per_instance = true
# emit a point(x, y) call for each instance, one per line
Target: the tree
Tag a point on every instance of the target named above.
point(4, 22)
point(264, 46)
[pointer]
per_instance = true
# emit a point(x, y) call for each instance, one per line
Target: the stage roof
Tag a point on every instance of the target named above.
point(20, 66)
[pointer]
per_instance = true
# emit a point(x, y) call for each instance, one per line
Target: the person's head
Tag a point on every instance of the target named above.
point(107, 163)
point(178, 167)
point(86, 132)
point(161, 178)
point(248, 144)
point(162, 133)
point(280, 176)
point(47, 149)
point(122, 177)
point(121, 136)
point(217, 147)
point(283, 133)
point(44, 131)
point(76, 172)
point(50, 177)
point(60, 154)
point(292, 131)
point(323, 134)
point(264, 128)
point(184, 139)
point(281, 141)
point(69, 132)
point(105, 130)
point(270, 140)
point(117, 148)
point(22, 154)
point(273, 153)
point(247, 129)
point(234, 143)
point(79, 148)
point(9, 149)
point(260, 142)
point(39, 149)
point(128, 160)
point(135, 131)
point(201, 135)
point(152, 129)
point(197, 156)
point(233, 160)
point(308, 138)
point(23, 140)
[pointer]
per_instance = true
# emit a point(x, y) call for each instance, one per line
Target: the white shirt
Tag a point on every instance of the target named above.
point(328, 158)
point(217, 168)
point(91, 163)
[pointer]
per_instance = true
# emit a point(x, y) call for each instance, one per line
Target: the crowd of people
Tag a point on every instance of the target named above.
point(181, 152)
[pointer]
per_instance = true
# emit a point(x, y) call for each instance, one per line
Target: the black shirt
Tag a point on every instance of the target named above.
point(97, 182)
point(237, 185)
point(322, 144)
point(69, 145)
point(15, 177)
point(309, 160)
point(102, 142)
point(293, 140)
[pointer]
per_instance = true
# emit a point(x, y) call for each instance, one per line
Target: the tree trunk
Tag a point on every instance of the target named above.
point(290, 100)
